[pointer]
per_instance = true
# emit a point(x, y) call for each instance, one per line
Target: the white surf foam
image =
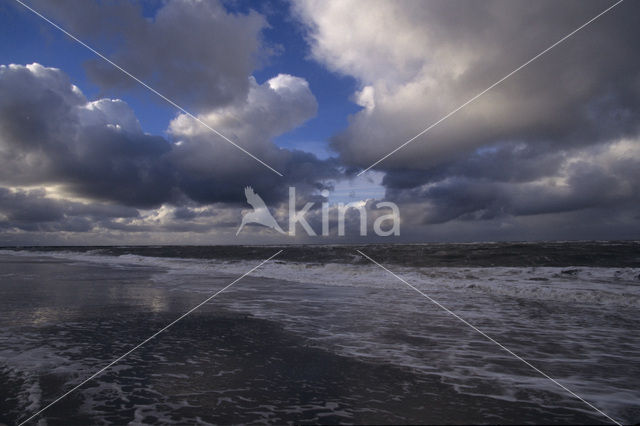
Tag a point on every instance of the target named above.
point(584, 285)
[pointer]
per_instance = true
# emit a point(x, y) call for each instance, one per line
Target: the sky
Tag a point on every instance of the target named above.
point(318, 91)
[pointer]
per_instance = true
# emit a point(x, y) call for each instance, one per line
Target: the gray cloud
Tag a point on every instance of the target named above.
point(272, 108)
point(559, 137)
point(49, 133)
point(40, 211)
point(194, 52)
point(551, 153)
point(433, 58)
point(34, 210)
point(602, 176)
point(52, 136)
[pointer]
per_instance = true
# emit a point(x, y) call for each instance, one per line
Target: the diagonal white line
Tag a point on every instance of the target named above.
point(492, 86)
point(97, 373)
point(151, 89)
point(492, 340)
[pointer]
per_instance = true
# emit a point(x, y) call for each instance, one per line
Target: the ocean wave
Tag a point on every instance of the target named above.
point(585, 285)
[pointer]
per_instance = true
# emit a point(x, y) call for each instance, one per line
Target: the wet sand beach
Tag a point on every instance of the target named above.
point(229, 362)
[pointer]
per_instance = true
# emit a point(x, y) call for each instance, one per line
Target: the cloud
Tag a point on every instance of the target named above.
point(55, 220)
point(418, 61)
point(194, 52)
point(551, 152)
point(51, 135)
point(559, 137)
point(95, 151)
point(34, 210)
point(602, 176)
point(272, 108)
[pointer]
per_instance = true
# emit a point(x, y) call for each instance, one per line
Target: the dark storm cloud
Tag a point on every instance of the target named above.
point(504, 162)
point(38, 211)
point(607, 177)
point(209, 169)
point(35, 211)
point(554, 146)
point(559, 137)
point(51, 135)
point(438, 54)
point(194, 52)
point(300, 169)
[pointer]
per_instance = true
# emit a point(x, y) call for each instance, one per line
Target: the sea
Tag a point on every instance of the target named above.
point(477, 333)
